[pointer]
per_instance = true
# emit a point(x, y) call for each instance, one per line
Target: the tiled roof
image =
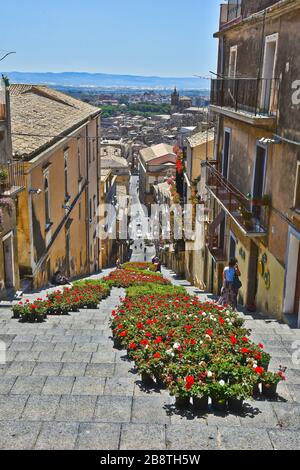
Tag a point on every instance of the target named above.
point(200, 138)
point(156, 151)
point(43, 115)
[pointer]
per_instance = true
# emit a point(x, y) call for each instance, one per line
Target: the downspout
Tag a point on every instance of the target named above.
point(87, 200)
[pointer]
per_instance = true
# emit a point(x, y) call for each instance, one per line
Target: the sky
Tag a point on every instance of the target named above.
point(136, 37)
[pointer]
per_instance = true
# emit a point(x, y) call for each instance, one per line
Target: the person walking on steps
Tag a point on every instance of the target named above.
point(231, 284)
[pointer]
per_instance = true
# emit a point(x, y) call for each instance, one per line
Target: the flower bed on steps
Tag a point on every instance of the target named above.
point(197, 350)
point(83, 294)
point(130, 277)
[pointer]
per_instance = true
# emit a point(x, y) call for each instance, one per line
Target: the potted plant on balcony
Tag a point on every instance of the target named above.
point(246, 216)
point(3, 179)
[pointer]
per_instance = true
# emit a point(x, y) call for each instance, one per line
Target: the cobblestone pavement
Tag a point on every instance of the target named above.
point(64, 386)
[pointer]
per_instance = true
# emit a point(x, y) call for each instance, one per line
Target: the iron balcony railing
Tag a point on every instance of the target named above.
point(257, 96)
point(252, 219)
point(11, 178)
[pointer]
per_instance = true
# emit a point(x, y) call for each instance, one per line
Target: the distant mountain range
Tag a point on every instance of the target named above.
point(104, 80)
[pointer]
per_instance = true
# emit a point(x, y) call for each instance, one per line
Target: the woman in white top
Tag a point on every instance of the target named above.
point(229, 290)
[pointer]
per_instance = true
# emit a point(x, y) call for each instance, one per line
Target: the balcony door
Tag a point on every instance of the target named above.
point(226, 152)
point(268, 74)
point(259, 176)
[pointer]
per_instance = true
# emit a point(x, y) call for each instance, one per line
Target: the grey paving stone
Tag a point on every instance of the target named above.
point(57, 436)
point(125, 368)
point(42, 346)
point(63, 347)
point(191, 436)
point(47, 368)
point(76, 357)
point(88, 386)
point(258, 414)
point(152, 410)
point(113, 409)
point(11, 407)
point(293, 376)
point(100, 370)
point(222, 419)
point(143, 437)
point(6, 384)
point(119, 386)
point(58, 385)
point(18, 346)
point(73, 369)
point(233, 438)
point(80, 337)
point(50, 356)
point(28, 385)
point(284, 439)
point(40, 408)
point(24, 338)
point(96, 436)
point(294, 390)
point(76, 408)
point(18, 435)
point(288, 415)
point(20, 368)
point(86, 347)
point(103, 357)
point(30, 356)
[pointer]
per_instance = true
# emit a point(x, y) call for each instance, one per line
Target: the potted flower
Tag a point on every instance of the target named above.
point(270, 380)
point(218, 392)
point(200, 396)
point(237, 393)
point(265, 360)
point(180, 388)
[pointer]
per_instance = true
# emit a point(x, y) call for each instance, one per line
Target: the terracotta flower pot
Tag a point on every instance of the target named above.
point(200, 403)
point(235, 404)
point(182, 402)
point(269, 390)
point(219, 405)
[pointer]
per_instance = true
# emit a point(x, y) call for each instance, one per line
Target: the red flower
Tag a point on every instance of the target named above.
point(221, 320)
point(148, 335)
point(245, 351)
point(189, 382)
point(257, 356)
point(245, 339)
point(144, 342)
point(259, 370)
point(33, 306)
point(261, 345)
point(209, 332)
point(140, 325)
point(120, 326)
point(132, 346)
point(123, 334)
point(193, 341)
point(233, 339)
point(156, 355)
point(158, 340)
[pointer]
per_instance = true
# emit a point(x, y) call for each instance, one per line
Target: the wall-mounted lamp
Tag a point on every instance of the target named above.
point(35, 191)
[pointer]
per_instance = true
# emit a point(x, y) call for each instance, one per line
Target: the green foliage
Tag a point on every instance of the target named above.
point(154, 289)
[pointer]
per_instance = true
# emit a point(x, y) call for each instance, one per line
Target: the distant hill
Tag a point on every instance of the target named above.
point(83, 79)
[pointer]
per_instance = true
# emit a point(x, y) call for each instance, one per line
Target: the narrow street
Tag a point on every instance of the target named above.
point(64, 386)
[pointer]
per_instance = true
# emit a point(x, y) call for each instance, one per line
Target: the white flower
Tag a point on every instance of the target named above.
point(254, 365)
point(170, 353)
point(221, 382)
point(208, 337)
point(230, 323)
point(203, 314)
point(200, 342)
point(147, 346)
point(176, 346)
point(209, 374)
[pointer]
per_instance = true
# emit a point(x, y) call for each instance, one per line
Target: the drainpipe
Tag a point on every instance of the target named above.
point(87, 199)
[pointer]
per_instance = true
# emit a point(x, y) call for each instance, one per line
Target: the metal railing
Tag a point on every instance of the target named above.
point(251, 218)
point(253, 95)
point(11, 177)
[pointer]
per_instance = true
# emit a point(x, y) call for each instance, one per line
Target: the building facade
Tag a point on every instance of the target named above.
point(253, 189)
point(56, 137)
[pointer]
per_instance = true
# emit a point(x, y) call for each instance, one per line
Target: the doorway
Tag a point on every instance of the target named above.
point(268, 73)
point(232, 246)
point(292, 279)
point(259, 176)
point(8, 256)
point(226, 152)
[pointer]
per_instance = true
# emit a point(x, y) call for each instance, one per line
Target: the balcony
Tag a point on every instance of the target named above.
point(252, 100)
point(251, 219)
point(11, 178)
point(230, 13)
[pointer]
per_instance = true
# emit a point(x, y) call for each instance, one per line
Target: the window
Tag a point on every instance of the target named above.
point(297, 189)
point(66, 153)
point(232, 62)
point(47, 200)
